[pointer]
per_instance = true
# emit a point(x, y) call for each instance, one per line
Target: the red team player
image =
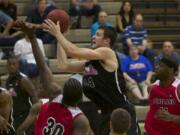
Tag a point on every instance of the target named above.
point(60, 116)
point(163, 117)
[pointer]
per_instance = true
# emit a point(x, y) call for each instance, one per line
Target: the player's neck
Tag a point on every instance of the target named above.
point(166, 83)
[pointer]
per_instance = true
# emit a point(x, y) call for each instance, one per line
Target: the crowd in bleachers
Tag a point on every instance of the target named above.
point(136, 56)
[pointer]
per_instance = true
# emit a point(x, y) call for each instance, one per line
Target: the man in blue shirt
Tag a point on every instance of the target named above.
point(102, 21)
point(137, 35)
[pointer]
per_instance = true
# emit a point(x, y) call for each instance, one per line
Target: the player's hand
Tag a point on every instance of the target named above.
point(27, 28)
point(163, 115)
point(4, 125)
point(52, 28)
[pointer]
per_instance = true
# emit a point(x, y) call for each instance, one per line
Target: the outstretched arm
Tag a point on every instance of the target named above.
point(48, 83)
point(102, 53)
point(64, 65)
point(29, 119)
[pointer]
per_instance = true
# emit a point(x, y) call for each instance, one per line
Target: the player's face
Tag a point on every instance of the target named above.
point(98, 39)
point(161, 71)
point(13, 65)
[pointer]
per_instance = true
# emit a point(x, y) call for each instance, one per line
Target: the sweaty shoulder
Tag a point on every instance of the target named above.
point(110, 61)
point(5, 98)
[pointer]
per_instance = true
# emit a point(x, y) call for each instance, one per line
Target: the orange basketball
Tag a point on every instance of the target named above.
point(61, 16)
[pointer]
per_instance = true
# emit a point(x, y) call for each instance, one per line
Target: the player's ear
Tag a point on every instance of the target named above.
point(107, 41)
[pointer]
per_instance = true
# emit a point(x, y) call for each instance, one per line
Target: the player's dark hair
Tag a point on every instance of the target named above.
point(170, 62)
point(109, 32)
point(120, 120)
point(72, 93)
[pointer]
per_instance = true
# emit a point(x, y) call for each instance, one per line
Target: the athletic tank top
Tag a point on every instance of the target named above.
point(21, 99)
point(166, 99)
point(106, 89)
point(56, 119)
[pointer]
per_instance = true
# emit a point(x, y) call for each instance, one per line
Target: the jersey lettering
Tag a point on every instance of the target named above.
point(53, 128)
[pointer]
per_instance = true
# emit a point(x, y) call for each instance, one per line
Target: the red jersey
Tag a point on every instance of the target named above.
point(163, 99)
point(56, 119)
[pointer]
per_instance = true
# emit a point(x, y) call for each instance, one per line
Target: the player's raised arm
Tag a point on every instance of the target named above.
point(72, 50)
point(48, 83)
point(64, 65)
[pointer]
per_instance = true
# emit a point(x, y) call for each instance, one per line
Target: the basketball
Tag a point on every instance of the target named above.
point(61, 16)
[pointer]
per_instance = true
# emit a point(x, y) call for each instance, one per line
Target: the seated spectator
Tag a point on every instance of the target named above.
point(125, 16)
point(23, 51)
point(120, 122)
point(137, 71)
point(6, 22)
point(8, 7)
point(102, 21)
point(168, 50)
point(37, 16)
point(136, 35)
point(80, 8)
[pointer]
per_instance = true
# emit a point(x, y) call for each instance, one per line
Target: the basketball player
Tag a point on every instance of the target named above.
point(103, 82)
point(60, 116)
point(119, 122)
point(22, 91)
point(163, 117)
point(6, 127)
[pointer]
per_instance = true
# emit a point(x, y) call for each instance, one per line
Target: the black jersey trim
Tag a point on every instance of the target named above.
point(118, 86)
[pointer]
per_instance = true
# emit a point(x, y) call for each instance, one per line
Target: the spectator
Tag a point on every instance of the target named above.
point(80, 8)
point(9, 8)
point(37, 16)
point(5, 21)
point(125, 16)
point(168, 50)
point(137, 71)
point(21, 90)
point(120, 122)
point(102, 21)
point(136, 35)
point(23, 51)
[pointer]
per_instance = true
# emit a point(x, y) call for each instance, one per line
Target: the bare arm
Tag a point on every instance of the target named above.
point(29, 88)
point(149, 77)
point(30, 119)
point(5, 110)
point(48, 83)
point(129, 42)
point(119, 23)
point(81, 126)
point(66, 66)
point(72, 50)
